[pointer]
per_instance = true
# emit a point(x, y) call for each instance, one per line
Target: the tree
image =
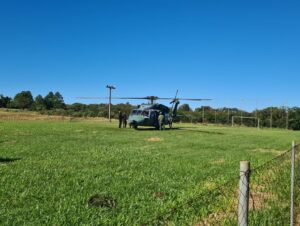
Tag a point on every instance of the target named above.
point(49, 100)
point(23, 100)
point(39, 103)
point(54, 101)
point(77, 107)
point(294, 122)
point(185, 107)
point(58, 101)
point(4, 101)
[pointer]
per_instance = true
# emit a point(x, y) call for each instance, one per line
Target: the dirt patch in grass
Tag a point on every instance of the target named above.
point(297, 223)
point(9, 142)
point(209, 185)
point(216, 218)
point(258, 200)
point(219, 161)
point(154, 139)
point(102, 201)
point(24, 115)
point(24, 134)
point(158, 195)
point(271, 151)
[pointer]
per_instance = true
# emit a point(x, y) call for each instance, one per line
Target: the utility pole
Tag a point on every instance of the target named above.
point(110, 87)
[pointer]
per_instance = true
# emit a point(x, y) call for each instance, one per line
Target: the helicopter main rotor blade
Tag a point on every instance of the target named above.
point(193, 99)
point(116, 98)
point(91, 98)
point(142, 98)
point(132, 98)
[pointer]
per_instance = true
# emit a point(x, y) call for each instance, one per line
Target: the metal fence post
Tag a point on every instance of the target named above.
point(292, 183)
point(244, 193)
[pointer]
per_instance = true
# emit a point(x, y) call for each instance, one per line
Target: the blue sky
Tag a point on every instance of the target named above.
point(237, 52)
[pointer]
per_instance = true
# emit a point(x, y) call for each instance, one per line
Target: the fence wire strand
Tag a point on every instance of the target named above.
point(269, 202)
point(268, 199)
point(213, 207)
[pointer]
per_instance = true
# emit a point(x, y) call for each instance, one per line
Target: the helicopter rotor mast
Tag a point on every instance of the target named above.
point(173, 102)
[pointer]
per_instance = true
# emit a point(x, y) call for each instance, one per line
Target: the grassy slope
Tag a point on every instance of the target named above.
point(63, 163)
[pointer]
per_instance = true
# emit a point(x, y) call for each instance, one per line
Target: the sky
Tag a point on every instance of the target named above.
point(242, 54)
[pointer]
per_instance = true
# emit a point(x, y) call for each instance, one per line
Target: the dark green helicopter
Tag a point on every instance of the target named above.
point(147, 114)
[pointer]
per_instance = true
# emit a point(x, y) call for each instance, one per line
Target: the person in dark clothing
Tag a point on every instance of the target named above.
point(120, 119)
point(161, 119)
point(124, 120)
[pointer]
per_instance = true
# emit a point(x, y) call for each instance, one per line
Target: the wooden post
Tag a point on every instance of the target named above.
point(109, 104)
point(243, 206)
point(292, 183)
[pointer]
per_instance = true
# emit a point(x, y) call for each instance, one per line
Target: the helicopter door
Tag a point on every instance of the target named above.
point(153, 115)
point(154, 118)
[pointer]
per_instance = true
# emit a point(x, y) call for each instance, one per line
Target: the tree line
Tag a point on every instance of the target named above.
point(271, 117)
point(53, 104)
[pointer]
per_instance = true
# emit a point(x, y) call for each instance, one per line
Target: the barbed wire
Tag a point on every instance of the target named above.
point(269, 192)
point(297, 186)
point(269, 198)
point(203, 204)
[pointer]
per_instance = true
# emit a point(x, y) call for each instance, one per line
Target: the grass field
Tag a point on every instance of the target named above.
point(49, 170)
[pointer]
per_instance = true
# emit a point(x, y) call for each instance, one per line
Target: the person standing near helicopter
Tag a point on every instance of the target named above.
point(124, 120)
point(120, 119)
point(161, 119)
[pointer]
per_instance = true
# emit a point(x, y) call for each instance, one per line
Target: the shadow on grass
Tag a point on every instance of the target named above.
point(182, 129)
point(200, 131)
point(8, 160)
point(154, 129)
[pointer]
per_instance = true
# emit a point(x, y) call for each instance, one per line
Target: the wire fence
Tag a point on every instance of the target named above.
point(217, 206)
point(259, 196)
point(270, 191)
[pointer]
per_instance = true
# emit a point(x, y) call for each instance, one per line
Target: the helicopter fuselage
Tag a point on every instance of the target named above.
point(147, 115)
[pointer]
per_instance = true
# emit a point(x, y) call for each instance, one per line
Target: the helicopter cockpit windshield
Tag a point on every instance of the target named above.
point(140, 112)
point(136, 112)
point(145, 113)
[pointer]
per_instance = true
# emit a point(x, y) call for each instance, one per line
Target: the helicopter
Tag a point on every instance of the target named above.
point(147, 114)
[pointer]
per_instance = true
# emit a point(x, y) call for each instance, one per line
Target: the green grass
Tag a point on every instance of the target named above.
point(62, 164)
